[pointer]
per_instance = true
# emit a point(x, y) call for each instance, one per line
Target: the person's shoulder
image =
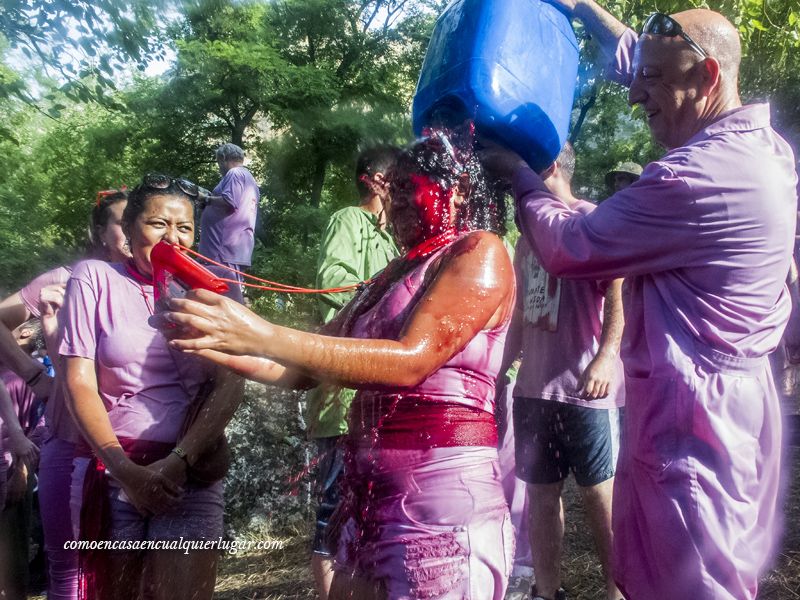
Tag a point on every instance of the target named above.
point(478, 244)
point(55, 276)
point(240, 173)
point(349, 213)
point(350, 216)
point(93, 269)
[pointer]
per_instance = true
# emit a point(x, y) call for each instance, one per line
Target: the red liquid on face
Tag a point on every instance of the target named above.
point(433, 206)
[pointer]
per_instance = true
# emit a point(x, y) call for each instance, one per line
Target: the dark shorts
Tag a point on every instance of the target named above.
point(553, 438)
point(329, 475)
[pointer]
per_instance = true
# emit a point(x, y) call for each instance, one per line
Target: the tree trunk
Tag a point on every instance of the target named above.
point(237, 133)
point(318, 181)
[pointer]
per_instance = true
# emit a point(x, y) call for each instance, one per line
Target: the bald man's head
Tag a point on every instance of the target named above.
point(681, 90)
point(718, 37)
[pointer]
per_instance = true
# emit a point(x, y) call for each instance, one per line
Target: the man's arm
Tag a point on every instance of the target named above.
point(637, 231)
point(219, 201)
point(601, 24)
point(14, 312)
point(597, 378)
point(338, 257)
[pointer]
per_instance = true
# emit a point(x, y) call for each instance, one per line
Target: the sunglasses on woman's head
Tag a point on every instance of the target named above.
point(157, 181)
point(106, 193)
point(661, 24)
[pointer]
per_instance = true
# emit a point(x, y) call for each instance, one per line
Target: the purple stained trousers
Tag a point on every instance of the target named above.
point(55, 477)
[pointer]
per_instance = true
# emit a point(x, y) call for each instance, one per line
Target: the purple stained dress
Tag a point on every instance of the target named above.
point(424, 494)
point(704, 240)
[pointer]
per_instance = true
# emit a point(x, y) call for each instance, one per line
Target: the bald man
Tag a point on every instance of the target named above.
point(704, 241)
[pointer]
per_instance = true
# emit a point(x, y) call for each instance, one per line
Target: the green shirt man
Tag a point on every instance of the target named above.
point(353, 249)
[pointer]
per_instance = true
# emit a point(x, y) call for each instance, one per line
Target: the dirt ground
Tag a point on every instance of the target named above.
point(284, 574)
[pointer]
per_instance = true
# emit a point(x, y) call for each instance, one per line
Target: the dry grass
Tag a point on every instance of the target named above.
point(271, 575)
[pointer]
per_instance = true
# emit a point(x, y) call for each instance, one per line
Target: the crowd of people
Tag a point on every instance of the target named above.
point(626, 342)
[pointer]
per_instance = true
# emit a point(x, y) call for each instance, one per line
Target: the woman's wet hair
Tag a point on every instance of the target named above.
point(98, 220)
point(449, 157)
point(141, 194)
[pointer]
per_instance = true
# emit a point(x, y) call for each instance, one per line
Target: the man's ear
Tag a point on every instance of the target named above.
point(710, 72)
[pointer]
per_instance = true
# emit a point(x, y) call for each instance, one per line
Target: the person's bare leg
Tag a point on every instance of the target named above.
point(123, 578)
point(322, 567)
point(546, 517)
point(173, 575)
point(597, 500)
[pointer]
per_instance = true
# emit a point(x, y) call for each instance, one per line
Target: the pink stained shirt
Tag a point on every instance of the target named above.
point(704, 240)
point(562, 320)
point(59, 421)
point(227, 233)
point(146, 387)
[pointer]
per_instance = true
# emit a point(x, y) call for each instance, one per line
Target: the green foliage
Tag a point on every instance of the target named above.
point(770, 33)
point(302, 85)
point(82, 43)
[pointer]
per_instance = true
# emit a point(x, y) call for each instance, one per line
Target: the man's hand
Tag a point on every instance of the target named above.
point(498, 161)
point(22, 449)
point(51, 298)
point(567, 6)
point(595, 381)
point(17, 483)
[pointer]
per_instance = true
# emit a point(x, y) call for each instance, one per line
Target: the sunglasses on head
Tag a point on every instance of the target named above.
point(106, 193)
point(157, 181)
point(661, 24)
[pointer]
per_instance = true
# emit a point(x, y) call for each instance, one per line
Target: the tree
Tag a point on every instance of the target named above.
point(82, 42)
point(770, 33)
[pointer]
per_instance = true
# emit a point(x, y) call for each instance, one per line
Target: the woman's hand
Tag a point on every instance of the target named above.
point(150, 491)
point(172, 467)
point(208, 321)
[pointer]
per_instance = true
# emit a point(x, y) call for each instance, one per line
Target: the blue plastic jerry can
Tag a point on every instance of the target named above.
point(510, 66)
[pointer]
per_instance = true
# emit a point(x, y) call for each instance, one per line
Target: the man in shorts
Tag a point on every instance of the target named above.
point(568, 397)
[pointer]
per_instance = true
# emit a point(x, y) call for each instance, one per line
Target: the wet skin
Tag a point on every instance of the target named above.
point(471, 290)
